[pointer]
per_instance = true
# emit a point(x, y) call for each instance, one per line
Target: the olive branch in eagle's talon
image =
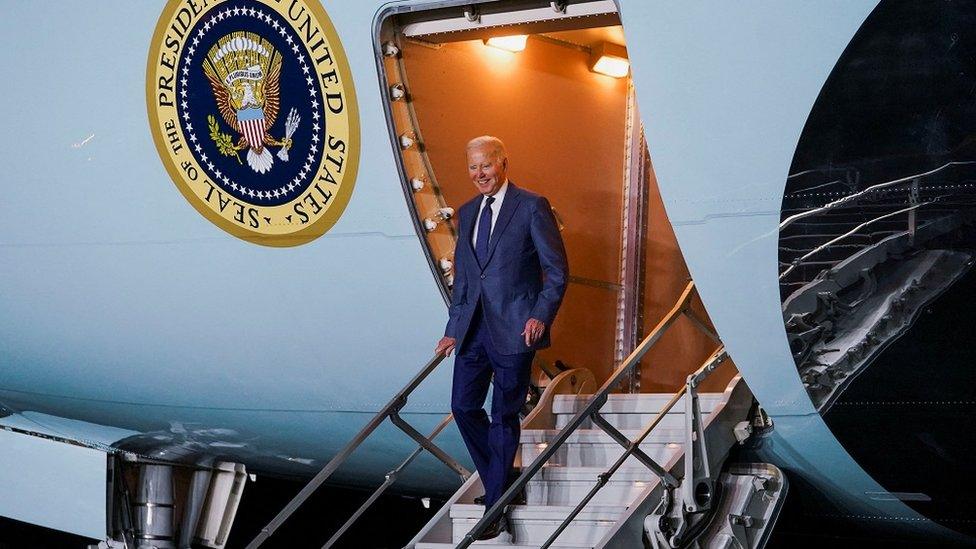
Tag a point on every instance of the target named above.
point(224, 142)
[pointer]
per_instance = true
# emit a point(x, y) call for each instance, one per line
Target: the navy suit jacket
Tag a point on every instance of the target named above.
point(525, 245)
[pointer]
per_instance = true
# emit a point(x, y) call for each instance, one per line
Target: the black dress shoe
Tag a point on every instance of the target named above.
point(493, 531)
point(497, 531)
point(519, 498)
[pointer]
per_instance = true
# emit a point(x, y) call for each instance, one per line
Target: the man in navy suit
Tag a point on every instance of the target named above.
point(510, 275)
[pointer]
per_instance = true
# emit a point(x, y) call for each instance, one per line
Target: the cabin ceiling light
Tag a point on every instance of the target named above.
point(610, 59)
point(515, 43)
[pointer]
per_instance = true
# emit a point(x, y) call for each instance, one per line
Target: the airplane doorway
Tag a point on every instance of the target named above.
point(573, 135)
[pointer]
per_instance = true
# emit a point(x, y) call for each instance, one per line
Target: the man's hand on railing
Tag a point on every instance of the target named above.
point(445, 345)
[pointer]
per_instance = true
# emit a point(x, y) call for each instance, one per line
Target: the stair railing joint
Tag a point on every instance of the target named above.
point(429, 446)
point(399, 402)
point(632, 449)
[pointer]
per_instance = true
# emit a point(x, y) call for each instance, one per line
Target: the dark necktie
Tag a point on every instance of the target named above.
point(484, 232)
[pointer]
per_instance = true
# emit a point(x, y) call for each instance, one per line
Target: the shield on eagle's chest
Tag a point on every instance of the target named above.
point(251, 123)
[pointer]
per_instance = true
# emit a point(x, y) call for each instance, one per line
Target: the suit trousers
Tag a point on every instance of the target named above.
point(493, 444)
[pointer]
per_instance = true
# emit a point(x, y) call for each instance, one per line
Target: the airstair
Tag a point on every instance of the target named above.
point(607, 469)
point(613, 516)
point(616, 511)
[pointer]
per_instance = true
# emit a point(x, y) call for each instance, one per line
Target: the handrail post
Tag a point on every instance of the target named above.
point(695, 451)
point(697, 485)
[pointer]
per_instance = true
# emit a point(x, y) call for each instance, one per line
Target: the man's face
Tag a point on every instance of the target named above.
point(486, 170)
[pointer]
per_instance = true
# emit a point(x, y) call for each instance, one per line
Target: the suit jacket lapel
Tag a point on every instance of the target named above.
point(512, 198)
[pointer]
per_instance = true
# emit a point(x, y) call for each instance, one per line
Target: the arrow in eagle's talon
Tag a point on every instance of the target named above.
point(291, 124)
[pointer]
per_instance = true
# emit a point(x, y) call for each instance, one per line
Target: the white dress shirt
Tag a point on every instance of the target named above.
point(496, 207)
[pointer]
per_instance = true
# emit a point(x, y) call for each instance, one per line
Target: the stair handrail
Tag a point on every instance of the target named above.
point(693, 425)
point(392, 411)
point(591, 409)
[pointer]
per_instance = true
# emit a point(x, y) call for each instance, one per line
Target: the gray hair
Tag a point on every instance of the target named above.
point(493, 143)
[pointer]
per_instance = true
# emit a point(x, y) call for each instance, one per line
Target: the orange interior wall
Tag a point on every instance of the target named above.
point(564, 127)
point(564, 130)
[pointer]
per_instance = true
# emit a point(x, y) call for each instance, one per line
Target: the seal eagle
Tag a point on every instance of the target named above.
point(245, 75)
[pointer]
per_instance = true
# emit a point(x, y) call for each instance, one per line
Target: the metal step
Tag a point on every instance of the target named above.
point(567, 486)
point(630, 411)
point(533, 524)
point(639, 403)
point(595, 448)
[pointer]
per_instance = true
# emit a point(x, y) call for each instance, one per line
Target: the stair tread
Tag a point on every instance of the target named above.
point(632, 404)
point(635, 396)
point(596, 513)
point(559, 472)
point(660, 435)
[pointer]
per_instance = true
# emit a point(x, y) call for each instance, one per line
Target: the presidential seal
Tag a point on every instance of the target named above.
point(252, 109)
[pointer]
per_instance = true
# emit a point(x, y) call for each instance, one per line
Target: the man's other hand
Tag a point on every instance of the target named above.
point(445, 345)
point(534, 329)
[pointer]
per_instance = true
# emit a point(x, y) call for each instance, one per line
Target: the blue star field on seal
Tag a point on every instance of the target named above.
point(250, 106)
